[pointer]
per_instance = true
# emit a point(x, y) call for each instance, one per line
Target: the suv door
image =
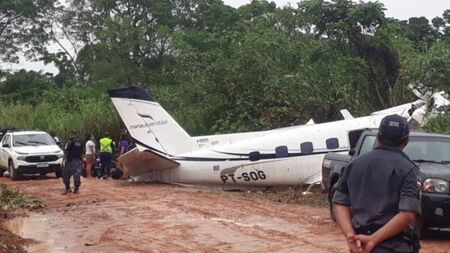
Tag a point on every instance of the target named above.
point(4, 151)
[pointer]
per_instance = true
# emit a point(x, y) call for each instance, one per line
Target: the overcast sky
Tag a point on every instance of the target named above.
point(400, 9)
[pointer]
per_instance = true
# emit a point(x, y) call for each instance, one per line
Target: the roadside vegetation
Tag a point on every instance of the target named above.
point(11, 200)
point(215, 68)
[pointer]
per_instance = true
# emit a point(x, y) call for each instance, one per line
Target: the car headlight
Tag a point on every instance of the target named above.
point(59, 154)
point(21, 158)
point(435, 185)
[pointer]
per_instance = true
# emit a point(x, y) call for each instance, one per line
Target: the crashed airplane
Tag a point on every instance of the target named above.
point(281, 157)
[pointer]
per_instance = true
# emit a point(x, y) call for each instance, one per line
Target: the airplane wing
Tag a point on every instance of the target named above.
point(136, 163)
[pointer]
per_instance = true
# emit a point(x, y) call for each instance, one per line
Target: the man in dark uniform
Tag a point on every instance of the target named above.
point(377, 197)
point(73, 152)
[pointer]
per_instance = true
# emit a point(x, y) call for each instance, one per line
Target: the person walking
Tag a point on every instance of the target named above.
point(90, 154)
point(377, 198)
point(73, 151)
point(106, 151)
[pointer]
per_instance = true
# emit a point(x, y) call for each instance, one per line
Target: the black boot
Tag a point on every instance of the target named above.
point(75, 191)
point(67, 191)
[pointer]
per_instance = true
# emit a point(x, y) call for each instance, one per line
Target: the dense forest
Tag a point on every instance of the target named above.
point(215, 68)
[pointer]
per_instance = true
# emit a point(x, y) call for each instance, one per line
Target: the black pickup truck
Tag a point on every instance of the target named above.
point(431, 152)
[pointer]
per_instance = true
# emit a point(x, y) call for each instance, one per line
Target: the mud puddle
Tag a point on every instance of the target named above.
point(49, 233)
point(38, 228)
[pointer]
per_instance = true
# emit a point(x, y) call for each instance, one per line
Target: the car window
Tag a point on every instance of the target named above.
point(7, 140)
point(368, 144)
point(32, 140)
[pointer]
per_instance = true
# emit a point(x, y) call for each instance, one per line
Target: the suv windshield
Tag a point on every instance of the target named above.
point(32, 140)
point(432, 149)
point(420, 149)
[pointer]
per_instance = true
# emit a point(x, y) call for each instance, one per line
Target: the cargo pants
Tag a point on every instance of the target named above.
point(72, 168)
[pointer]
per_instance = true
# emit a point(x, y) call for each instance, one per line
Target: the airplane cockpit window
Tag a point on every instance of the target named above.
point(306, 148)
point(332, 143)
point(281, 151)
point(254, 156)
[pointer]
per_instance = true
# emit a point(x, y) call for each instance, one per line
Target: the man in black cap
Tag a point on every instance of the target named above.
point(73, 152)
point(377, 197)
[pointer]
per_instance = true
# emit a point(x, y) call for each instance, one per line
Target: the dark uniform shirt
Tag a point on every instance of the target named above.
point(74, 150)
point(377, 185)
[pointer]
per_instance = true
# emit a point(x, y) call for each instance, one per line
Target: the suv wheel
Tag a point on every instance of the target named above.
point(13, 173)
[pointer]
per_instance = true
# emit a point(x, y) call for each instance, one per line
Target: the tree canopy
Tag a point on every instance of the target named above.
point(214, 67)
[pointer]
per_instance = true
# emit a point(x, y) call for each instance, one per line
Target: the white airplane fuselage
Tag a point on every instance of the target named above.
point(280, 157)
point(224, 159)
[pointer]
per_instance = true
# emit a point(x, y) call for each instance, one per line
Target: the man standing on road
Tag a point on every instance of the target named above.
point(377, 197)
point(106, 151)
point(73, 152)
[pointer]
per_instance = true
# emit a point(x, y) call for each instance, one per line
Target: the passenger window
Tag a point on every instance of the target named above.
point(254, 156)
point(281, 151)
point(332, 143)
point(368, 144)
point(306, 148)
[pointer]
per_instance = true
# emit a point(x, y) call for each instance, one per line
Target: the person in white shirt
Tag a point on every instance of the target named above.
point(90, 154)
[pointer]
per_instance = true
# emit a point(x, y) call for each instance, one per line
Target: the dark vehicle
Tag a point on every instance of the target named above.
point(431, 152)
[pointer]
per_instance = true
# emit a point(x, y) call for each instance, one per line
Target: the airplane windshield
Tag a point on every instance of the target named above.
point(32, 140)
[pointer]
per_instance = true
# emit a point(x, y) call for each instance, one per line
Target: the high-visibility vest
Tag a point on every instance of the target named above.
point(105, 145)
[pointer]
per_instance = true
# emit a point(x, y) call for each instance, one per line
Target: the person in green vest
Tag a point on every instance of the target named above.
point(106, 154)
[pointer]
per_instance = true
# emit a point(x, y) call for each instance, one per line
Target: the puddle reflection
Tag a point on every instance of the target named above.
point(34, 227)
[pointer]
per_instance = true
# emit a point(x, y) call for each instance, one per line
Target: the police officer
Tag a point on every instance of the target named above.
point(73, 152)
point(377, 197)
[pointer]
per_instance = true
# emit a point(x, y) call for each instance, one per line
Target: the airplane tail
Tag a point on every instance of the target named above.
point(148, 123)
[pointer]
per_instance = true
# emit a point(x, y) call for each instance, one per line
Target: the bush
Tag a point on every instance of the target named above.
point(440, 124)
point(11, 199)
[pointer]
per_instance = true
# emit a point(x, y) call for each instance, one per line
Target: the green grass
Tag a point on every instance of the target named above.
point(11, 199)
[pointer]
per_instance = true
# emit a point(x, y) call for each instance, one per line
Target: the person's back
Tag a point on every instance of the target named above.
point(106, 145)
point(374, 184)
point(106, 151)
point(377, 197)
point(124, 145)
point(73, 153)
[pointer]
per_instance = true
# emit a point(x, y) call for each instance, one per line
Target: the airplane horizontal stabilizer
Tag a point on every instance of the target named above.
point(136, 163)
point(346, 114)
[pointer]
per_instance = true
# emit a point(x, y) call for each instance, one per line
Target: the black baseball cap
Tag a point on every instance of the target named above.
point(393, 128)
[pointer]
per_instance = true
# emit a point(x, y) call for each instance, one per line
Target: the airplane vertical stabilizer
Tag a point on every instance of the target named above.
point(148, 123)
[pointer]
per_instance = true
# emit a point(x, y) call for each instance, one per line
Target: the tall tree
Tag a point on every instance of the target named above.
point(22, 27)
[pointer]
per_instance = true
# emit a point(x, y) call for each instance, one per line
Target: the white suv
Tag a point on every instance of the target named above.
point(29, 152)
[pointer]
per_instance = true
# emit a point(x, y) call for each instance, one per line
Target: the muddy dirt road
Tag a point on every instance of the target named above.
point(117, 216)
